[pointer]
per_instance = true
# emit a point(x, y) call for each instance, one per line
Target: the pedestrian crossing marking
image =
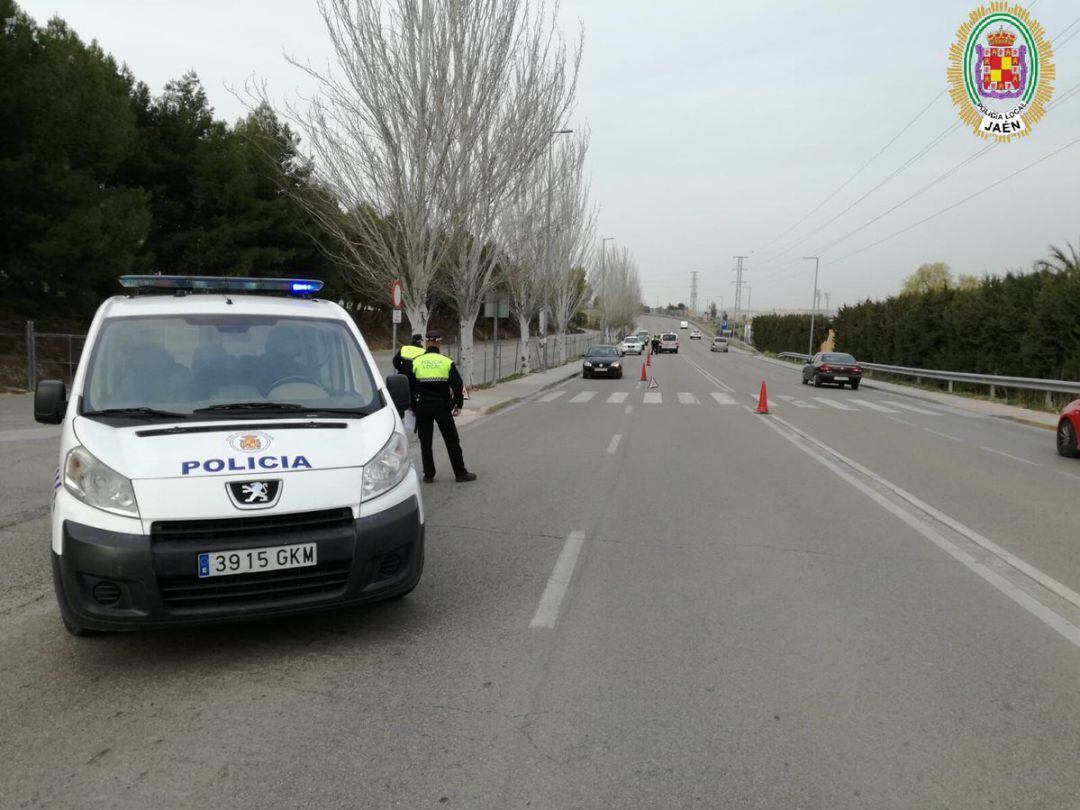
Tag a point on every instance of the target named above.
point(653, 398)
point(618, 397)
point(723, 399)
point(838, 405)
point(686, 398)
point(552, 396)
point(798, 403)
point(755, 397)
point(584, 396)
point(866, 403)
point(913, 408)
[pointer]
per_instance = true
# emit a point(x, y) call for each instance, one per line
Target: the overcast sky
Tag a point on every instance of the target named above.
point(716, 126)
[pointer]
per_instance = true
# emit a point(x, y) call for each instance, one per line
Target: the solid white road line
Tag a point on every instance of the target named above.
point(866, 403)
point(613, 445)
point(821, 452)
point(943, 435)
point(547, 612)
point(840, 406)
point(901, 421)
point(711, 378)
point(1074, 476)
point(912, 408)
point(1009, 455)
point(552, 396)
point(653, 398)
point(618, 397)
point(723, 399)
point(686, 398)
point(584, 396)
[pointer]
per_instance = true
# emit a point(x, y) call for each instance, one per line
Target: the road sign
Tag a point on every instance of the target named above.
point(497, 306)
point(397, 316)
point(723, 325)
point(395, 297)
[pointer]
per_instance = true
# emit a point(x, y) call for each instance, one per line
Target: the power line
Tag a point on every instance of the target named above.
point(917, 156)
point(858, 171)
point(957, 204)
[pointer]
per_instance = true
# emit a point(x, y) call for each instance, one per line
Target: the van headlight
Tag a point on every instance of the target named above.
point(388, 468)
point(97, 485)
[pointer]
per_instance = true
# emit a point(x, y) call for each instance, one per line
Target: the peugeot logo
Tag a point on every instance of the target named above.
point(254, 494)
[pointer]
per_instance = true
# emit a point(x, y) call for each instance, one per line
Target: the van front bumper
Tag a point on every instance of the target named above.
point(112, 581)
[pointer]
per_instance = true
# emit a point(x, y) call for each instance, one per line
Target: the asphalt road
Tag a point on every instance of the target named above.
point(649, 599)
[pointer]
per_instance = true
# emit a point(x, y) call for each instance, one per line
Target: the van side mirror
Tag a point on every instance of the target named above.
point(398, 386)
point(50, 402)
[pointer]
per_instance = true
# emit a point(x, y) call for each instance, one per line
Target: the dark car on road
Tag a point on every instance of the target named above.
point(602, 361)
point(1068, 430)
point(832, 367)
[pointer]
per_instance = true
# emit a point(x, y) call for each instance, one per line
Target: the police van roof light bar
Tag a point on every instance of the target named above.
point(180, 284)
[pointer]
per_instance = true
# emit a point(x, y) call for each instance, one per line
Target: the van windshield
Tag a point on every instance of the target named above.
point(180, 365)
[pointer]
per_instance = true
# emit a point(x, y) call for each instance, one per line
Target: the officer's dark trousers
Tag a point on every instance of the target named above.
point(427, 416)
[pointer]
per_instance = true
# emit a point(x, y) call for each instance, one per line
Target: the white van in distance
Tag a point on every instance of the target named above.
point(228, 451)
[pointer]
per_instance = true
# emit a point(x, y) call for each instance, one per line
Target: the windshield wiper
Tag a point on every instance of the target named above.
point(140, 411)
point(254, 406)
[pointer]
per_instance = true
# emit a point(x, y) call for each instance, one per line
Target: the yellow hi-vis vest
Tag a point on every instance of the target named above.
point(410, 352)
point(432, 367)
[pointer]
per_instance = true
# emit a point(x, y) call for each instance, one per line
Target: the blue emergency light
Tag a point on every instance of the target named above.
point(296, 286)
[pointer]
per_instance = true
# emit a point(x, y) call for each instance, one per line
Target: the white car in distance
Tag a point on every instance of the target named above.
point(630, 344)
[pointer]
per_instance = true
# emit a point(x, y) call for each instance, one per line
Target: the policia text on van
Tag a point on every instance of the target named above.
point(227, 452)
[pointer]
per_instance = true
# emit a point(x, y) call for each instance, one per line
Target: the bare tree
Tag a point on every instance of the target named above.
point(523, 240)
point(522, 85)
point(384, 131)
point(621, 296)
point(572, 240)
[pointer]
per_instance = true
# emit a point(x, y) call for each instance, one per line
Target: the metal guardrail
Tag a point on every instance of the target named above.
point(991, 380)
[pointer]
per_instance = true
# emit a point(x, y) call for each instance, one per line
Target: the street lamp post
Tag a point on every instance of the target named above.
point(603, 286)
point(813, 305)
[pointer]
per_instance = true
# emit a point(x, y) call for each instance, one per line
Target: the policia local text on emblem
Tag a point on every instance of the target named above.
point(1001, 71)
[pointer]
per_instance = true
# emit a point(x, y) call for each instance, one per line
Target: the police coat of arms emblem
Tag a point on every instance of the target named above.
point(1001, 71)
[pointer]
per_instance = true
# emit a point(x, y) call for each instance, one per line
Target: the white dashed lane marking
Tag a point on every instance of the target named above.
point(912, 408)
point(552, 396)
point(840, 406)
point(874, 406)
point(584, 396)
point(653, 398)
point(618, 397)
point(686, 398)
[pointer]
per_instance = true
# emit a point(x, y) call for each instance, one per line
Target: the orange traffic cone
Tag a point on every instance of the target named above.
point(763, 400)
point(648, 359)
point(643, 377)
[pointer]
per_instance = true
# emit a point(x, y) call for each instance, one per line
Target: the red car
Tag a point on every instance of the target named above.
point(1068, 430)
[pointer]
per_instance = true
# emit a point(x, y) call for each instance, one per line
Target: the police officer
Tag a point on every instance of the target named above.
point(656, 344)
point(437, 392)
point(407, 353)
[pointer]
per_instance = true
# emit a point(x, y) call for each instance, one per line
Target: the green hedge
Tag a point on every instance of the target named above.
point(788, 333)
point(1020, 325)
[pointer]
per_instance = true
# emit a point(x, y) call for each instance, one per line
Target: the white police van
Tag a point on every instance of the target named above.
point(228, 451)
